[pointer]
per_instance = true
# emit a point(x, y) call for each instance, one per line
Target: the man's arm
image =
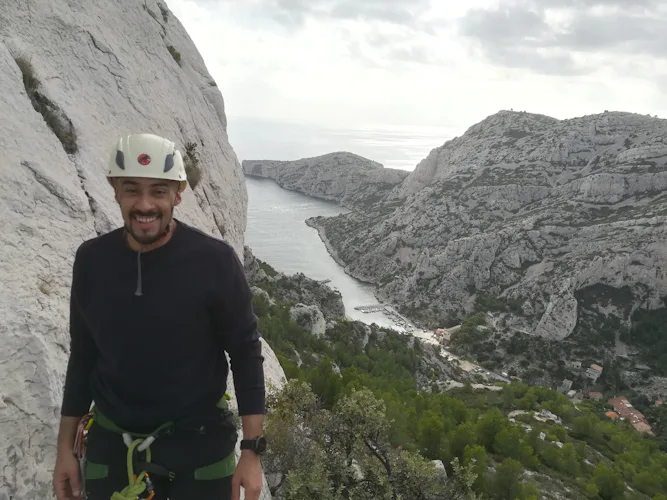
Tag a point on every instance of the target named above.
point(237, 324)
point(253, 426)
point(77, 395)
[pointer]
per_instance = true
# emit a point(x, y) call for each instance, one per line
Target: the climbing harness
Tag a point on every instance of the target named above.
point(140, 470)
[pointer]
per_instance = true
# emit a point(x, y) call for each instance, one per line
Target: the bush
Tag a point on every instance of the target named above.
point(191, 161)
point(175, 54)
point(55, 119)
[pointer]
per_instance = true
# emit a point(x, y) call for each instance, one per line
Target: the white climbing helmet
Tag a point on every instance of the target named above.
point(147, 155)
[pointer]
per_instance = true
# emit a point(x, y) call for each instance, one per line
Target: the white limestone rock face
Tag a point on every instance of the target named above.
point(557, 215)
point(440, 468)
point(95, 70)
point(310, 318)
point(346, 178)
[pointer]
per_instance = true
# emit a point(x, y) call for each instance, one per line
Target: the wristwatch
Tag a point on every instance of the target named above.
point(257, 444)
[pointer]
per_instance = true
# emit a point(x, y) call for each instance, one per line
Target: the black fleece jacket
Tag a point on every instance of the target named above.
point(149, 330)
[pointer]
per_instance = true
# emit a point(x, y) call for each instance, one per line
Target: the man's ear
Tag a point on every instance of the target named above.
point(179, 195)
point(116, 190)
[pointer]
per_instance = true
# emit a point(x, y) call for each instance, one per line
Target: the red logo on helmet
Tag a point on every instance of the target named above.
point(144, 159)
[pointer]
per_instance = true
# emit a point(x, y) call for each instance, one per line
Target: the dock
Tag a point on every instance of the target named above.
point(399, 320)
point(369, 309)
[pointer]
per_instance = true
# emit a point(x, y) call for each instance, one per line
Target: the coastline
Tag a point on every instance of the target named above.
point(310, 222)
point(390, 307)
point(332, 199)
point(391, 311)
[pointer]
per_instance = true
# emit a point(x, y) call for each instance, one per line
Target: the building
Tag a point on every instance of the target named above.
point(597, 396)
point(612, 415)
point(565, 386)
point(643, 427)
point(593, 372)
point(575, 365)
point(571, 394)
point(443, 336)
point(631, 414)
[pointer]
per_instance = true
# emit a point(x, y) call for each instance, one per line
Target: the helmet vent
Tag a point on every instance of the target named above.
point(120, 160)
point(168, 163)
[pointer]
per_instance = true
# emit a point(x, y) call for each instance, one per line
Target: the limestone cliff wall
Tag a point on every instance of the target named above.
point(525, 207)
point(349, 179)
point(74, 76)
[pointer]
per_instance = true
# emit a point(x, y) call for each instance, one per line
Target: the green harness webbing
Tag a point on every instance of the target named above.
point(138, 483)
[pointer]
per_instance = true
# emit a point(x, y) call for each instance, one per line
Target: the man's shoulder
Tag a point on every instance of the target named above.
point(211, 245)
point(99, 244)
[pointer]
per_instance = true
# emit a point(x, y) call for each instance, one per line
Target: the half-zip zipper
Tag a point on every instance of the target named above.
point(138, 292)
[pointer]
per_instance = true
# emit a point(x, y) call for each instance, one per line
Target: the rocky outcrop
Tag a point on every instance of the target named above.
point(553, 216)
point(296, 288)
point(74, 76)
point(349, 179)
point(310, 318)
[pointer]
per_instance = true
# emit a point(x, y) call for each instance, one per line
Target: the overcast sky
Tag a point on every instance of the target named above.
point(421, 63)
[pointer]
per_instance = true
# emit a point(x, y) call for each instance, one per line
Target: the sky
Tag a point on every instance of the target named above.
point(422, 68)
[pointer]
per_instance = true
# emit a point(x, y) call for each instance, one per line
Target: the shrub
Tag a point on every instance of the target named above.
point(191, 161)
point(175, 54)
point(55, 119)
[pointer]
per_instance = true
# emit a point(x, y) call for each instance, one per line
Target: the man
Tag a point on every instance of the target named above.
point(154, 306)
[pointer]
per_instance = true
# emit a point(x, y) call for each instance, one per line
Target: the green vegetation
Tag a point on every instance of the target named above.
point(175, 54)
point(377, 377)
point(649, 331)
point(486, 302)
point(55, 119)
point(345, 452)
point(191, 160)
point(492, 351)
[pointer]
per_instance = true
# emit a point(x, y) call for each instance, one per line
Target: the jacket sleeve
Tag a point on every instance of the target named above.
point(237, 325)
point(77, 395)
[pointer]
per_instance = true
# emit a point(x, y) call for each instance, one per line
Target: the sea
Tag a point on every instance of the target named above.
point(276, 229)
point(394, 146)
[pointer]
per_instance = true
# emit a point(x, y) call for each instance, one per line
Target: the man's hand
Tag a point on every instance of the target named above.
point(66, 473)
point(66, 477)
point(249, 475)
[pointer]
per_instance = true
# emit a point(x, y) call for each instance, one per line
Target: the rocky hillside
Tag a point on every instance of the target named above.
point(297, 288)
point(559, 223)
point(73, 78)
point(349, 179)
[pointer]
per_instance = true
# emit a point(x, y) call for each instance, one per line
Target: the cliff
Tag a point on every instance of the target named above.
point(296, 288)
point(562, 219)
point(346, 178)
point(73, 78)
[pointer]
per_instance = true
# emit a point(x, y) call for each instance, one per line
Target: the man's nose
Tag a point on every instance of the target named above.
point(144, 203)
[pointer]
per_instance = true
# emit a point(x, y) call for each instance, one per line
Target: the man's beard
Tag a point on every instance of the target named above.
point(148, 239)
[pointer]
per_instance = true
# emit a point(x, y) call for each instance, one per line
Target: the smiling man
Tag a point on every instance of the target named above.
point(154, 306)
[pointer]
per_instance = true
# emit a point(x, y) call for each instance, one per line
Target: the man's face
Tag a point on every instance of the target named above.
point(146, 206)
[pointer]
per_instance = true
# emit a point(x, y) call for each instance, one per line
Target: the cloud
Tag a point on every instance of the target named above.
point(553, 36)
point(293, 13)
point(375, 32)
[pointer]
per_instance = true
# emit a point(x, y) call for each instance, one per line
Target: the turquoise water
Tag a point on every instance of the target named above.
point(277, 234)
point(276, 229)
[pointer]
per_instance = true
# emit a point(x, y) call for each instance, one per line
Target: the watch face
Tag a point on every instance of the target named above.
point(260, 444)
